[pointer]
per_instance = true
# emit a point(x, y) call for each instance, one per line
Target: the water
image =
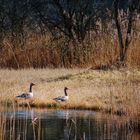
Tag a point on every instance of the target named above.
point(65, 125)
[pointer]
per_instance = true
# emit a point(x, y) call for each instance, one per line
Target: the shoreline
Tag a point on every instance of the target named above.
point(111, 91)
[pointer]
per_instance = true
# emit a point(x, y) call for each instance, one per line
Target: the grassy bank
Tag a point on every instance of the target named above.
point(114, 91)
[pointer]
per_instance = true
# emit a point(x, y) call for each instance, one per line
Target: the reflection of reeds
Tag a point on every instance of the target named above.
point(12, 128)
point(106, 127)
point(97, 126)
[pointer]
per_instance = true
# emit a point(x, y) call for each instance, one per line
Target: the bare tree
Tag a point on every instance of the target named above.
point(72, 18)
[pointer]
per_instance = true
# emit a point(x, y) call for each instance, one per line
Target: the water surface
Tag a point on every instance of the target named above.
point(24, 124)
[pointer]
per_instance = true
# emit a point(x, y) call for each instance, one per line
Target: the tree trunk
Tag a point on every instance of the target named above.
point(120, 37)
point(129, 29)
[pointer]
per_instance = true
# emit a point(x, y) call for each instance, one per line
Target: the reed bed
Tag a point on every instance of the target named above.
point(46, 52)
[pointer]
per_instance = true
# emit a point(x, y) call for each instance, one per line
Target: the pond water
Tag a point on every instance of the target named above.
point(24, 124)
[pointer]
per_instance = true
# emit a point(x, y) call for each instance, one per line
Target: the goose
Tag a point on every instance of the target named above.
point(27, 95)
point(62, 98)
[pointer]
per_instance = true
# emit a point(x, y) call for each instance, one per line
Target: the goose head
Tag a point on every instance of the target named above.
point(32, 84)
point(65, 88)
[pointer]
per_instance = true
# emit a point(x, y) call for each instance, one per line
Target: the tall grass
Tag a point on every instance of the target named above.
point(42, 51)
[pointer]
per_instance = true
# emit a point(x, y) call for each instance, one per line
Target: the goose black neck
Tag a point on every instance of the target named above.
point(65, 90)
point(30, 90)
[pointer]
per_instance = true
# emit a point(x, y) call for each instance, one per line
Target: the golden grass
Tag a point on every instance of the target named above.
point(114, 91)
point(43, 52)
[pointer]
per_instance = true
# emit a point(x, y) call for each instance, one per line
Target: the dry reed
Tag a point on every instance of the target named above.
point(42, 51)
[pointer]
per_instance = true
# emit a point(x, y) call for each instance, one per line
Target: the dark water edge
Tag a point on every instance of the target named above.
point(45, 124)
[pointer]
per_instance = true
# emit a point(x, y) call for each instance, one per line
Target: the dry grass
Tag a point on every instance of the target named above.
point(112, 91)
point(43, 52)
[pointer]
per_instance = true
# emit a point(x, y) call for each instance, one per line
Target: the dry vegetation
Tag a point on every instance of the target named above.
point(111, 91)
point(114, 91)
point(43, 51)
point(106, 86)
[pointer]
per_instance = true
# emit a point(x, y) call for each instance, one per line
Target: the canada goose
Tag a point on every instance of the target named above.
point(62, 98)
point(27, 95)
